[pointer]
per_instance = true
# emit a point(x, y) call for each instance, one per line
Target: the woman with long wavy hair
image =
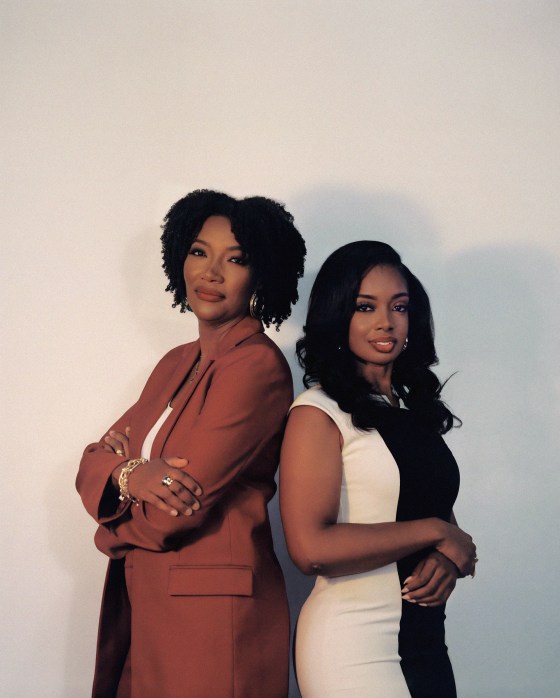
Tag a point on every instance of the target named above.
point(368, 485)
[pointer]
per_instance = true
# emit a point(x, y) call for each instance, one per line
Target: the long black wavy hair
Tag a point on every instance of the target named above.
point(324, 354)
point(264, 230)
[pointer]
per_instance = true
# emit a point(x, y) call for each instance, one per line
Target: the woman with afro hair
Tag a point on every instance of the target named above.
point(367, 486)
point(194, 604)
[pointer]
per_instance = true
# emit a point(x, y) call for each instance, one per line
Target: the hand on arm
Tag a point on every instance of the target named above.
point(458, 547)
point(432, 581)
point(117, 442)
point(146, 484)
point(469, 567)
point(94, 481)
point(145, 481)
point(434, 578)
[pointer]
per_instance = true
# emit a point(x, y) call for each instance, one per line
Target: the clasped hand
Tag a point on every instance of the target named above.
point(145, 482)
point(459, 547)
point(432, 581)
point(434, 578)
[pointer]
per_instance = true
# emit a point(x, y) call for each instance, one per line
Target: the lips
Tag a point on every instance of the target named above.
point(383, 344)
point(208, 294)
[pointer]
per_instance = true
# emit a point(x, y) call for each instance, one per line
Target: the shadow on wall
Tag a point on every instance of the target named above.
point(501, 326)
point(331, 217)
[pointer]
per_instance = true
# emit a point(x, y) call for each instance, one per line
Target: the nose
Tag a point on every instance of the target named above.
point(212, 271)
point(384, 320)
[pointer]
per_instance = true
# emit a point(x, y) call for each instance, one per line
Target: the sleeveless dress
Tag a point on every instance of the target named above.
point(356, 637)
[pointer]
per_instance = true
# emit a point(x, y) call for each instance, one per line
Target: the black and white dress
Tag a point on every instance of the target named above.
point(355, 636)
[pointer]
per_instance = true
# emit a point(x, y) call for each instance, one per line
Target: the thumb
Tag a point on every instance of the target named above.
point(176, 462)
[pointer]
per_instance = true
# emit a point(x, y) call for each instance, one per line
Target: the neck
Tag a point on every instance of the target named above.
point(211, 334)
point(379, 377)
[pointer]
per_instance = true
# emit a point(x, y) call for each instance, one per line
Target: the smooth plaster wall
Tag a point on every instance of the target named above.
point(432, 125)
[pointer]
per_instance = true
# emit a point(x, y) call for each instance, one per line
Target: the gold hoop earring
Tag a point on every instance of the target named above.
point(253, 308)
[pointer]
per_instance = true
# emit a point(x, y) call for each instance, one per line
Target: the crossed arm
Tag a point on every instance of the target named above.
point(240, 422)
point(310, 482)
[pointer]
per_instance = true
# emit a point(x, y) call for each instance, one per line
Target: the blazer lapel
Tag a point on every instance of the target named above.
point(178, 407)
point(150, 410)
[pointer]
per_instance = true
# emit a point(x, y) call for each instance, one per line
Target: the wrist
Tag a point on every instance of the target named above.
point(116, 474)
point(438, 529)
point(126, 471)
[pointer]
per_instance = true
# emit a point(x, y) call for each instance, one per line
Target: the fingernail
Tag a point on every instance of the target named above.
point(111, 433)
point(406, 597)
point(196, 506)
point(198, 491)
point(407, 580)
point(404, 590)
point(425, 605)
point(188, 512)
point(106, 438)
point(174, 512)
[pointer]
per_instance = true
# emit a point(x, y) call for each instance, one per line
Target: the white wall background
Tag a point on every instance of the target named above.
point(431, 125)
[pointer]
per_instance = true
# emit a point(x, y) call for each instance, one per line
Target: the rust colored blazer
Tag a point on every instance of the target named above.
point(195, 607)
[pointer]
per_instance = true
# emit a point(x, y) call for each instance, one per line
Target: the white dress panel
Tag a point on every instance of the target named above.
point(347, 632)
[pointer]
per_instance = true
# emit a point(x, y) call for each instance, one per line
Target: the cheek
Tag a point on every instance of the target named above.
point(354, 332)
point(243, 289)
point(187, 268)
point(404, 323)
point(192, 269)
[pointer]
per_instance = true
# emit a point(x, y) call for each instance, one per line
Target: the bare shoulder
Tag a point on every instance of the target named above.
point(310, 477)
point(311, 417)
point(311, 427)
point(315, 411)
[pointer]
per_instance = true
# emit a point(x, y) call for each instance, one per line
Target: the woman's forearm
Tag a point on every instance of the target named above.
point(346, 548)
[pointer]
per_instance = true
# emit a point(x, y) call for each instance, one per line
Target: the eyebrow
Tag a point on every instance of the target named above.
point(200, 241)
point(401, 294)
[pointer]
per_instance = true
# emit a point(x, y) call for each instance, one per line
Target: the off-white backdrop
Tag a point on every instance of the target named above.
point(432, 125)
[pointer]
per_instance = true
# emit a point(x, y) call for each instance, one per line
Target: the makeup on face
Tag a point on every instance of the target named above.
point(379, 326)
point(217, 273)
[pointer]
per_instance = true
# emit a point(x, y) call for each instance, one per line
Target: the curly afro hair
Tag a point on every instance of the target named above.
point(264, 230)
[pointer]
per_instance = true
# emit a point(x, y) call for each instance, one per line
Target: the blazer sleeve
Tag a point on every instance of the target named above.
point(93, 481)
point(244, 411)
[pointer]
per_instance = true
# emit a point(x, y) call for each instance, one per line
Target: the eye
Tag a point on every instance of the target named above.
point(197, 252)
point(364, 308)
point(401, 308)
point(242, 261)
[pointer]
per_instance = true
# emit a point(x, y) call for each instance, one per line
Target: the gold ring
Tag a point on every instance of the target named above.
point(119, 452)
point(167, 480)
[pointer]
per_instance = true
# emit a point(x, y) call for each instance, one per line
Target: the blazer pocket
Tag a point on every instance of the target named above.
point(210, 580)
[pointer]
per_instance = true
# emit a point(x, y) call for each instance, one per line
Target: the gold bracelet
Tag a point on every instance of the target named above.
point(123, 479)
